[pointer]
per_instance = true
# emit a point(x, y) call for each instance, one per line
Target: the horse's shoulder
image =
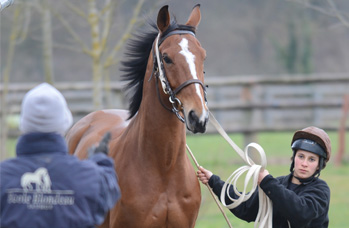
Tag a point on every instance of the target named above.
point(109, 118)
point(91, 127)
point(121, 113)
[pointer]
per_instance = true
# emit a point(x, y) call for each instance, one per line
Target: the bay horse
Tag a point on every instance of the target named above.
point(165, 75)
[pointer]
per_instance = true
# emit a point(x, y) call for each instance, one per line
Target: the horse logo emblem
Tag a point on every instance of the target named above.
point(36, 192)
point(38, 179)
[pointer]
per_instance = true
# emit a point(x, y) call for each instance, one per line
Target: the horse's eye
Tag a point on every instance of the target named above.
point(167, 59)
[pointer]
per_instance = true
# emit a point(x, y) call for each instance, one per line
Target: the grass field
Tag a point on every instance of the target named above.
point(215, 154)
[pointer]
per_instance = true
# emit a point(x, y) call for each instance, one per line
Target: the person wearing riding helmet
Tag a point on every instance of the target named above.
point(299, 199)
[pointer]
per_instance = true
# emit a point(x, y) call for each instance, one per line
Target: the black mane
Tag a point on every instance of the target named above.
point(137, 53)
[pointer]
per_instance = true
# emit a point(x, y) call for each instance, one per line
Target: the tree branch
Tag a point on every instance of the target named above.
point(107, 18)
point(93, 20)
point(334, 12)
point(109, 61)
point(75, 9)
point(72, 33)
point(338, 14)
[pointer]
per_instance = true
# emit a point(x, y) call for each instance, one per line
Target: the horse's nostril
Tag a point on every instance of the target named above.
point(192, 115)
point(197, 125)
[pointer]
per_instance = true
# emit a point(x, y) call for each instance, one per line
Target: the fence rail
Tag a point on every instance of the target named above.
point(282, 103)
point(240, 103)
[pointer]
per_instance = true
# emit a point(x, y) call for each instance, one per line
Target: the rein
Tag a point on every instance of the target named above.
point(159, 72)
point(265, 211)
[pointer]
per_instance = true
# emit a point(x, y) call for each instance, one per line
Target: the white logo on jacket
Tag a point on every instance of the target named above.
point(39, 178)
point(36, 192)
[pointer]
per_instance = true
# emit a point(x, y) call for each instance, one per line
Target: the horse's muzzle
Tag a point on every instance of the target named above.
point(195, 124)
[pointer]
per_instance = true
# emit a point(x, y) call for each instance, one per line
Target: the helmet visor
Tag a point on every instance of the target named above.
point(309, 145)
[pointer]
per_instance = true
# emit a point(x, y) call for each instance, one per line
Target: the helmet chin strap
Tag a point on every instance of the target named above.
point(306, 180)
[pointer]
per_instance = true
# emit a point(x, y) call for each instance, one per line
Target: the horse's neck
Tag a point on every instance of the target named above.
point(160, 134)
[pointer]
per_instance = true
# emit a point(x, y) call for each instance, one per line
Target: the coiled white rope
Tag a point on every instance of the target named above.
point(264, 217)
point(265, 212)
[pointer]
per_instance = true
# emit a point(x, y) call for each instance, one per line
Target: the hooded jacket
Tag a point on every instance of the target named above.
point(305, 206)
point(45, 187)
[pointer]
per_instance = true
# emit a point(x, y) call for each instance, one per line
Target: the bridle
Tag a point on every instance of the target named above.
point(160, 74)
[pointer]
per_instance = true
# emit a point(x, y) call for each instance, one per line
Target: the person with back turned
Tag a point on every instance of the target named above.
point(44, 186)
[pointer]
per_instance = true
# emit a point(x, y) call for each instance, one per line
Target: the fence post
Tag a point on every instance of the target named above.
point(317, 98)
point(247, 97)
point(341, 132)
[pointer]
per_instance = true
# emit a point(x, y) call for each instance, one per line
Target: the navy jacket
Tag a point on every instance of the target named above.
point(305, 206)
point(45, 187)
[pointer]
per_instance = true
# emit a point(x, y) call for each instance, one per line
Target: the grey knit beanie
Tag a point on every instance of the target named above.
point(44, 109)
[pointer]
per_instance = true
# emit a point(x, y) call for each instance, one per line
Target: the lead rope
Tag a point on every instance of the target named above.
point(264, 216)
point(209, 189)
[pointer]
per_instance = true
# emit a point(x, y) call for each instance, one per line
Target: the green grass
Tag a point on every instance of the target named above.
point(11, 149)
point(213, 153)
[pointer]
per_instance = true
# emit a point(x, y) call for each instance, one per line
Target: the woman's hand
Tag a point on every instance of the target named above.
point(204, 175)
point(263, 173)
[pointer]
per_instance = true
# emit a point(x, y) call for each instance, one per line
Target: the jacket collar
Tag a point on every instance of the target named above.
point(288, 179)
point(41, 143)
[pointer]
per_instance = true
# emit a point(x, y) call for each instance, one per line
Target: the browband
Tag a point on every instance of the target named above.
point(174, 32)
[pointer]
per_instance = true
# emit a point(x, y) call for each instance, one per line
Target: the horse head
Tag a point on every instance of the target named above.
point(179, 66)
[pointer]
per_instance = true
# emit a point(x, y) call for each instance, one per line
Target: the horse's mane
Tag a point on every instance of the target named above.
point(137, 53)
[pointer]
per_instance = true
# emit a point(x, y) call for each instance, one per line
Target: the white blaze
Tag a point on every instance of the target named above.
point(191, 62)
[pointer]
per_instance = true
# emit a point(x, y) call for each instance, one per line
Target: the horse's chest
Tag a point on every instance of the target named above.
point(157, 199)
point(165, 210)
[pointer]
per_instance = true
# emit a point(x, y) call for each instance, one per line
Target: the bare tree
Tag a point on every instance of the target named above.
point(16, 31)
point(47, 41)
point(21, 21)
point(331, 9)
point(99, 18)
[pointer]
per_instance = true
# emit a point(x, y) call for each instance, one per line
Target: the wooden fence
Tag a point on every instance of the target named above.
point(246, 104)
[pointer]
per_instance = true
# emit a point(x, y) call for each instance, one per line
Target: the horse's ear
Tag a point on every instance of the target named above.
point(195, 16)
point(163, 20)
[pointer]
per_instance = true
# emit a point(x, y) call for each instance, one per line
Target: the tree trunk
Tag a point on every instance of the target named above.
point(47, 43)
point(6, 79)
point(96, 51)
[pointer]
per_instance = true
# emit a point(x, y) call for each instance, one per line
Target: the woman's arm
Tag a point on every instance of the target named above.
point(246, 211)
point(298, 208)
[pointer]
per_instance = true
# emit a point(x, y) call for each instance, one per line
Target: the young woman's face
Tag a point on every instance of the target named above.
point(305, 164)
